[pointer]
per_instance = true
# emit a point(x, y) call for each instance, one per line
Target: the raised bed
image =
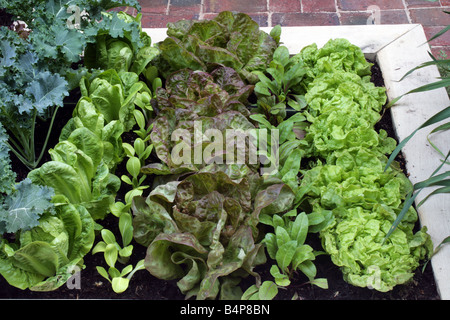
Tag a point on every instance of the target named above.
point(396, 49)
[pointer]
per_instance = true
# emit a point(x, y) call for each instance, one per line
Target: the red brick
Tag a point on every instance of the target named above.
point(305, 19)
point(150, 20)
point(429, 16)
point(209, 16)
point(421, 3)
point(441, 52)
point(285, 6)
point(154, 6)
point(319, 6)
point(177, 7)
point(235, 5)
point(382, 17)
point(445, 3)
point(442, 40)
point(261, 18)
point(357, 5)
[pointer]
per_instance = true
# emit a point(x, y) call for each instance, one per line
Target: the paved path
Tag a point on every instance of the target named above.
point(157, 13)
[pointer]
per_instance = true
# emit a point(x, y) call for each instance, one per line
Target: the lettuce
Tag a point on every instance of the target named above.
point(348, 182)
point(355, 243)
point(113, 94)
point(203, 230)
point(231, 39)
point(336, 55)
point(120, 44)
point(43, 258)
point(192, 103)
point(343, 109)
point(365, 201)
point(80, 169)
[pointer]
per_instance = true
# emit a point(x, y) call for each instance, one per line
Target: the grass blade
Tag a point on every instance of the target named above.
point(418, 187)
point(437, 191)
point(441, 115)
point(426, 64)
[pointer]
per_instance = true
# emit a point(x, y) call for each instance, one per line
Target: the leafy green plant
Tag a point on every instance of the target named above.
point(40, 69)
point(79, 171)
point(267, 291)
point(216, 100)
point(277, 92)
point(230, 39)
point(43, 257)
point(346, 185)
point(28, 91)
point(201, 230)
point(24, 206)
point(114, 252)
point(287, 246)
point(7, 175)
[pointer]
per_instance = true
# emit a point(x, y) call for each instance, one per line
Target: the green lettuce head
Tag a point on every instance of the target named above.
point(43, 258)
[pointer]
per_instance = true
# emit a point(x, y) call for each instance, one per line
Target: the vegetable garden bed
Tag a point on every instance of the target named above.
point(198, 231)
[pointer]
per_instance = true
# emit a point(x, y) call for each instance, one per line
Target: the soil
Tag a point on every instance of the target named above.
point(144, 286)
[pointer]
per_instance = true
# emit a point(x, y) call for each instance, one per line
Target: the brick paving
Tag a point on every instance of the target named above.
point(268, 13)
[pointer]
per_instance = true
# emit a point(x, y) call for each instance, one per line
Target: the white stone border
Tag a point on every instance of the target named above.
point(397, 49)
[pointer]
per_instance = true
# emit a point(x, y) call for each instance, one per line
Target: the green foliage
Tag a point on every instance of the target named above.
point(7, 175)
point(43, 258)
point(24, 206)
point(113, 252)
point(201, 230)
point(348, 180)
point(230, 39)
point(78, 171)
point(279, 86)
point(267, 291)
point(287, 245)
point(38, 70)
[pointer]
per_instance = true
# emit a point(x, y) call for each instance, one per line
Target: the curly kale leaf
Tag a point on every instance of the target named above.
point(7, 176)
point(23, 208)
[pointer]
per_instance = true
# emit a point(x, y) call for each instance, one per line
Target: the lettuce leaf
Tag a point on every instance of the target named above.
point(43, 258)
point(355, 243)
point(231, 39)
point(193, 103)
point(364, 201)
point(336, 55)
point(202, 230)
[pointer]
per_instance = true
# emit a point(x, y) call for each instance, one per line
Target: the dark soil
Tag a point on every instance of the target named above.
point(144, 286)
